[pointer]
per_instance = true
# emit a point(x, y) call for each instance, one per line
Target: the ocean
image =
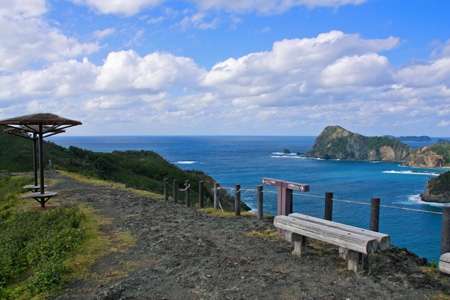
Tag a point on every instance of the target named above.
point(245, 160)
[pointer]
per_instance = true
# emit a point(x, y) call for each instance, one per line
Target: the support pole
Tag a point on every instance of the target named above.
point(174, 190)
point(445, 237)
point(216, 195)
point(187, 198)
point(328, 213)
point(201, 199)
point(375, 215)
point(41, 160)
point(260, 201)
point(166, 188)
point(237, 201)
point(35, 160)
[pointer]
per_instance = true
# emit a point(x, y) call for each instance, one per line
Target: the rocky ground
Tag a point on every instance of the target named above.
point(181, 253)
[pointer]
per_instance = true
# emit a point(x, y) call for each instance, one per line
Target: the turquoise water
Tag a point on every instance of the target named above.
point(246, 160)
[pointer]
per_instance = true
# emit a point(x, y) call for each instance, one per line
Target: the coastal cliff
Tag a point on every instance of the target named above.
point(336, 142)
point(434, 156)
point(438, 189)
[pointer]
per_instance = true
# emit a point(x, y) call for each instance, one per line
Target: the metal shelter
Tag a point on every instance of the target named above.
point(36, 127)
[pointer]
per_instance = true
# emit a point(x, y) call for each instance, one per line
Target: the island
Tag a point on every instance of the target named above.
point(438, 189)
point(336, 142)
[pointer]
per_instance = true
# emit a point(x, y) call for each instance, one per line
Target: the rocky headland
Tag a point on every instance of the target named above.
point(438, 189)
point(336, 142)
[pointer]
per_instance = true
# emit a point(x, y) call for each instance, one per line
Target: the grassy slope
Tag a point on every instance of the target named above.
point(443, 149)
point(138, 169)
point(42, 250)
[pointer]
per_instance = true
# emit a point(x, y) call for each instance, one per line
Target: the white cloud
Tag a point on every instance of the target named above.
point(367, 69)
point(132, 7)
point(299, 83)
point(126, 70)
point(101, 34)
point(27, 39)
point(270, 6)
point(199, 21)
point(121, 7)
point(24, 8)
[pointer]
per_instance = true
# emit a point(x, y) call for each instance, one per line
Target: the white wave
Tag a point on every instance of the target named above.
point(409, 172)
point(186, 162)
point(416, 199)
point(288, 156)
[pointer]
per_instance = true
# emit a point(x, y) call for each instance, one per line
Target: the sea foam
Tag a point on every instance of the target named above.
point(416, 199)
point(186, 162)
point(411, 173)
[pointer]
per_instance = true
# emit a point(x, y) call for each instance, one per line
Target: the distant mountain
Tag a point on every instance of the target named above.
point(438, 189)
point(422, 138)
point(336, 142)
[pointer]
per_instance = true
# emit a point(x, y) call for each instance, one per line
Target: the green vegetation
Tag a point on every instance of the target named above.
point(440, 184)
point(40, 250)
point(443, 149)
point(143, 170)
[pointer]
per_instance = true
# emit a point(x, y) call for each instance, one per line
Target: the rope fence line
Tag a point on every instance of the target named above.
point(348, 201)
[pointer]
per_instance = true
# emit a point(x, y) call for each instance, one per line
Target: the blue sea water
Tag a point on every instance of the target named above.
point(246, 160)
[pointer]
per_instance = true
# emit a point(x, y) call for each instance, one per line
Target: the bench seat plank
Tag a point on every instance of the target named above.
point(384, 241)
point(351, 241)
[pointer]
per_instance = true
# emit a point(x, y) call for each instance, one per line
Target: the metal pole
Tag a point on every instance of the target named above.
point(328, 213)
point(260, 201)
point(166, 192)
point(201, 200)
point(237, 201)
point(375, 215)
point(186, 194)
point(174, 190)
point(445, 237)
point(216, 199)
point(35, 159)
point(41, 158)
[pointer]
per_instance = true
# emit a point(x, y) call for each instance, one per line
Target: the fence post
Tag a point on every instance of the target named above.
point(260, 201)
point(215, 192)
point(201, 200)
point(375, 215)
point(174, 190)
point(445, 237)
point(328, 213)
point(166, 192)
point(187, 199)
point(237, 201)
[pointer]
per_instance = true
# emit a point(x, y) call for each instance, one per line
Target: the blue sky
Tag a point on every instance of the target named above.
point(223, 67)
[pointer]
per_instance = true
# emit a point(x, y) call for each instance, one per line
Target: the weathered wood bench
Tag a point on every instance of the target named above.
point(32, 187)
point(354, 243)
point(444, 263)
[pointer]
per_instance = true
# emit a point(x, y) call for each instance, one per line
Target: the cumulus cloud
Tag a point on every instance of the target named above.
point(27, 38)
point(333, 77)
point(126, 70)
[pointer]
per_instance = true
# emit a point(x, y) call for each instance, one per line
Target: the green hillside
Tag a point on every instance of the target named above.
point(138, 169)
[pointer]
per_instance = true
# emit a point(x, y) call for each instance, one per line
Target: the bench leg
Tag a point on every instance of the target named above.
point(299, 244)
point(357, 261)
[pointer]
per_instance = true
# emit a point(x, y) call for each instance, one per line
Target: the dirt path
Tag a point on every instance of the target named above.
point(181, 253)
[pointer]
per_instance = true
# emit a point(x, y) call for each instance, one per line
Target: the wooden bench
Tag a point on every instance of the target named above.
point(444, 263)
point(32, 187)
point(354, 243)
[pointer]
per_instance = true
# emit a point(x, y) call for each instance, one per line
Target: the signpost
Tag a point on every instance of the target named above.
point(285, 190)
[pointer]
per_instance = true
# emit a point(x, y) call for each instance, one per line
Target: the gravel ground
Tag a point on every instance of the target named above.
point(181, 253)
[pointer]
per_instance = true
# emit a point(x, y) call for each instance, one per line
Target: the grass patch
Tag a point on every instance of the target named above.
point(111, 184)
point(268, 234)
point(41, 250)
point(210, 211)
